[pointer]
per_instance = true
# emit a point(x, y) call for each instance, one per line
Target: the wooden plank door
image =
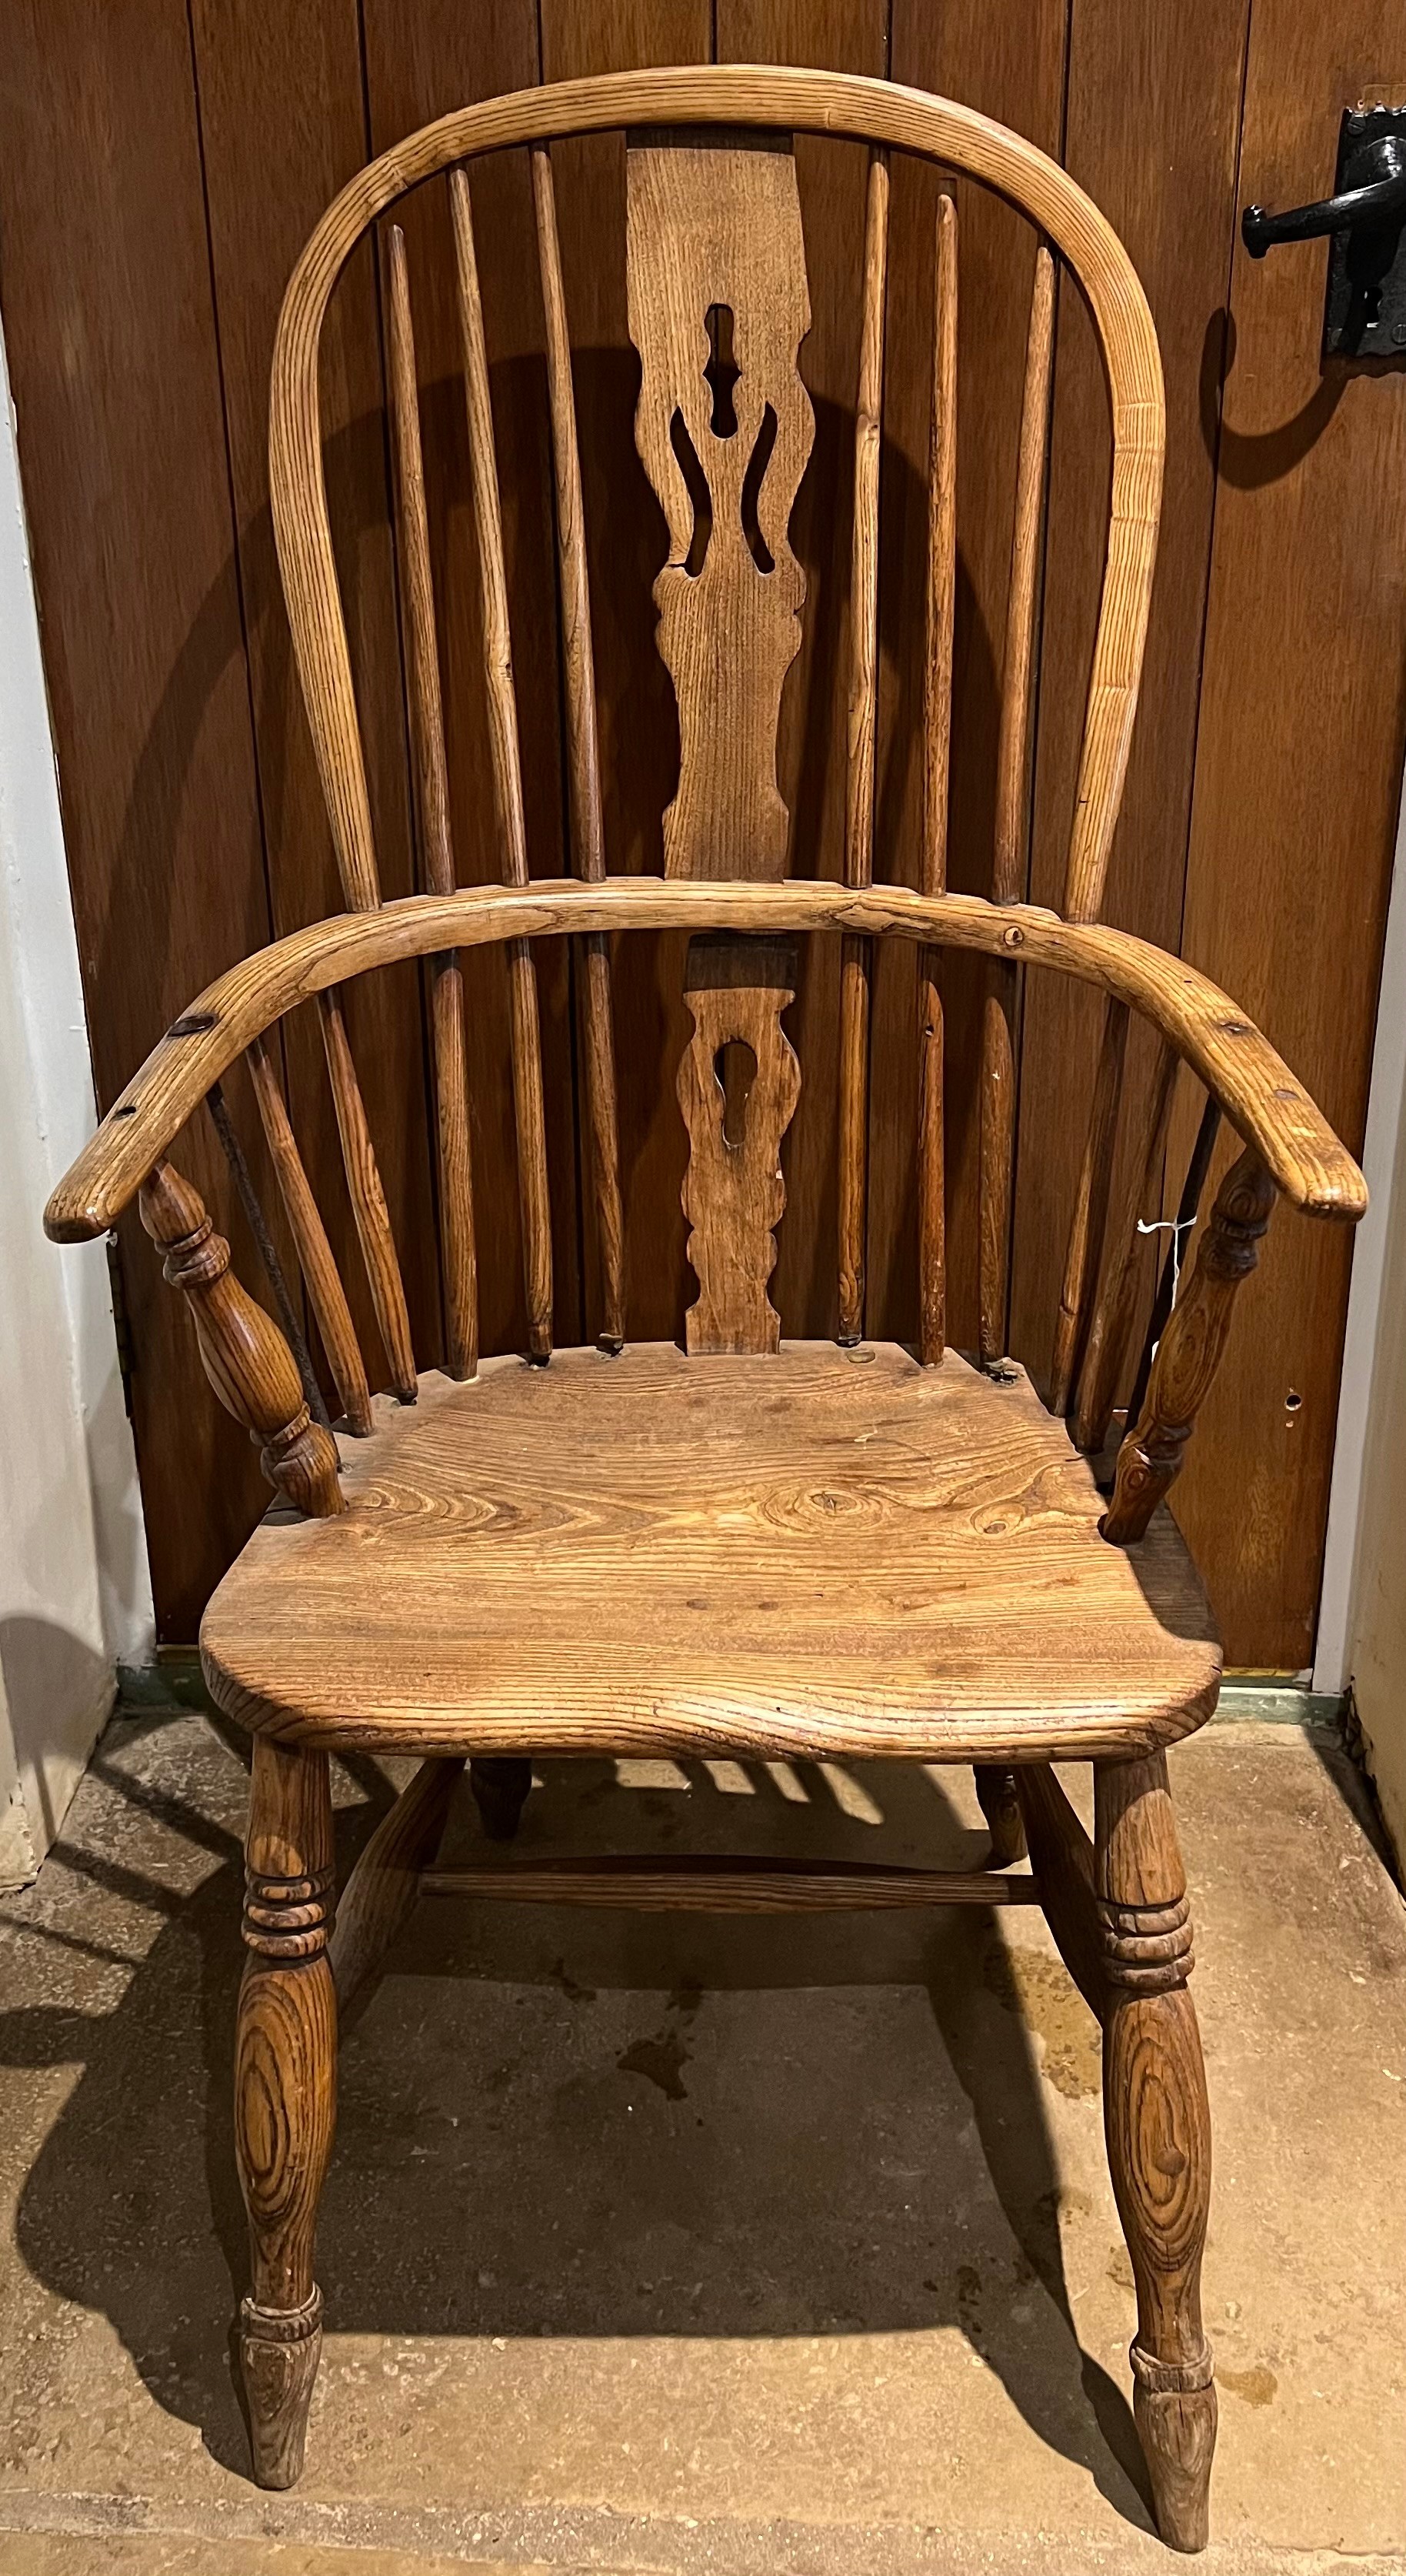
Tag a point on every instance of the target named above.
point(1297, 787)
point(139, 310)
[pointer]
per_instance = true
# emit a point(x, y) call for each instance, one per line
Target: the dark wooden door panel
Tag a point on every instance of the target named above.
point(420, 63)
point(293, 77)
point(1177, 78)
point(141, 283)
point(1297, 790)
point(1010, 63)
point(626, 542)
point(104, 267)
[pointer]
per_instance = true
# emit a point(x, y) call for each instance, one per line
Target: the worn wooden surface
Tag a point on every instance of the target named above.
point(381, 1892)
point(150, 795)
point(1190, 1350)
point(285, 2076)
point(1157, 2126)
point(736, 1114)
point(714, 1884)
point(242, 1351)
point(321, 1276)
point(654, 1552)
point(583, 764)
point(360, 1162)
point(939, 633)
point(714, 230)
point(1291, 852)
point(1259, 1095)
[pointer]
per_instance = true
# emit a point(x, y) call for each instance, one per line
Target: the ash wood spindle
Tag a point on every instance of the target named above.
point(373, 1224)
point(315, 1255)
point(242, 1351)
point(855, 953)
point(1190, 1350)
point(381, 1892)
point(507, 779)
point(1188, 1208)
point(1112, 1322)
point(1090, 1221)
point(997, 1151)
point(583, 761)
point(456, 1188)
point(937, 752)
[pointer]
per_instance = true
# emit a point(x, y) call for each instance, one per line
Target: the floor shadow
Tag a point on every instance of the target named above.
point(649, 2125)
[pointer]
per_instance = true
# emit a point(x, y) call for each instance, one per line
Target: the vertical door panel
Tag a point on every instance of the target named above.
point(849, 36)
point(293, 78)
point(1163, 171)
point(626, 543)
point(115, 372)
point(1009, 63)
point(1297, 792)
point(421, 63)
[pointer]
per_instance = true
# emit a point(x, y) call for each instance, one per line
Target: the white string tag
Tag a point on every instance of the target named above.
point(1178, 1228)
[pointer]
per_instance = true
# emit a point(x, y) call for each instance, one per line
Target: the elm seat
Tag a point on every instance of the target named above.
point(821, 1552)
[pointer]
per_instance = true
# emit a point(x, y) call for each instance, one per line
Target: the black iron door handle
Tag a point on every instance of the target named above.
point(1381, 200)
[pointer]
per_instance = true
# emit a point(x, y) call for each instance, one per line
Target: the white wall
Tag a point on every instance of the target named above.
point(74, 1591)
point(1362, 1619)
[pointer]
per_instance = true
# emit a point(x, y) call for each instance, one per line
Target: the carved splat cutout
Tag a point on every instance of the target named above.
point(718, 309)
point(738, 1087)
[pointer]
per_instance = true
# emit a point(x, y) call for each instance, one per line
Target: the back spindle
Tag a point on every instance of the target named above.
point(583, 760)
point(1117, 1296)
point(506, 762)
point(1187, 1211)
point(316, 1260)
point(456, 1191)
point(937, 750)
point(997, 1148)
point(1086, 1234)
point(856, 953)
point(373, 1224)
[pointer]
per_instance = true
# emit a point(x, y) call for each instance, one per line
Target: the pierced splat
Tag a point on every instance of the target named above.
point(718, 309)
point(738, 1087)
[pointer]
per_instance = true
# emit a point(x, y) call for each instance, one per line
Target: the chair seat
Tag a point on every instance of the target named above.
point(822, 1552)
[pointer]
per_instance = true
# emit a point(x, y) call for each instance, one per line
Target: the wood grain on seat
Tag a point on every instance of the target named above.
point(822, 1552)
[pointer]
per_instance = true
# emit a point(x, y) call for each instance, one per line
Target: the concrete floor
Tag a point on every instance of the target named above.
point(671, 2244)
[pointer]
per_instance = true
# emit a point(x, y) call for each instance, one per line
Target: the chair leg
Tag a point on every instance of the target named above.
point(1157, 2124)
point(996, 1797)
point(284, 2093)
point(500, 1786)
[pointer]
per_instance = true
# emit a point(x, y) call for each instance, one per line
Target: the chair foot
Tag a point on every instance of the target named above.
point(996, 1797)
point(500, 1787)
point(1157, 2125)
point(279, 2351)
point(1177, 2429)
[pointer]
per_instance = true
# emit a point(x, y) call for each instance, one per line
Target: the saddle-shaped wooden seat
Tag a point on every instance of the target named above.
point(821, 1552)
point(744, 1546)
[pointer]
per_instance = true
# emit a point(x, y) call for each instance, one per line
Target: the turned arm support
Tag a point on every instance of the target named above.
point(1190, 1350)
point(1254, 1088)
point(245, 1356)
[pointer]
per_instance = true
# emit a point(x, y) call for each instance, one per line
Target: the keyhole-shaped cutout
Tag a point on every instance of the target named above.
point(722, 370)
point(735, 1066)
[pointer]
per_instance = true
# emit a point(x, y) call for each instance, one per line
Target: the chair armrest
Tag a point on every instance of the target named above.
point(1240, 1069)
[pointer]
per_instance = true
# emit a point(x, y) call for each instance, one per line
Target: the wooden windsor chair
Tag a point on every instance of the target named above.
point(848, 1548)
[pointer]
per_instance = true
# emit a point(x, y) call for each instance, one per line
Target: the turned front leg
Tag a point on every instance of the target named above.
point(284, 2093)
point(1157, 2124)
